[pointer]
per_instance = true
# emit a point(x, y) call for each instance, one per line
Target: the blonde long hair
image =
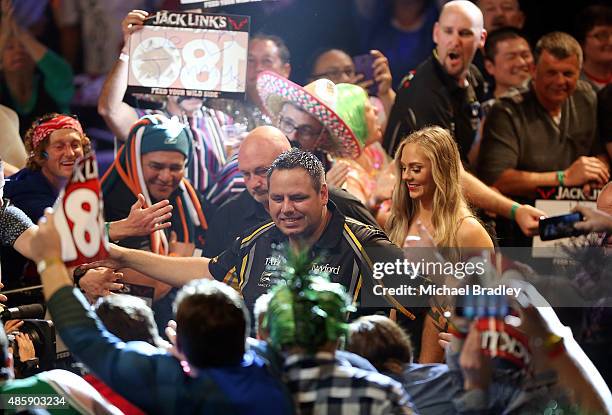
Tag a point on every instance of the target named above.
point(449, 206)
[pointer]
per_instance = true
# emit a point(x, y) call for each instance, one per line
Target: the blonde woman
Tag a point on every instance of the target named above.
point(428, 191)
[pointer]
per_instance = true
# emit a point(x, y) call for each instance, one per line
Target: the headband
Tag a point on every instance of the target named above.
point(59, 122)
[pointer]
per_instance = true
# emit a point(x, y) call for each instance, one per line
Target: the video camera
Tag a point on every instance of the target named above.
point(42, 332)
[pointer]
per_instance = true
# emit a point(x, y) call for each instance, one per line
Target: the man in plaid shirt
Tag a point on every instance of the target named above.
point(306, 317)
point(319, 384)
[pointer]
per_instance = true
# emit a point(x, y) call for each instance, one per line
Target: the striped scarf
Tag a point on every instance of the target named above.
point(126, 170)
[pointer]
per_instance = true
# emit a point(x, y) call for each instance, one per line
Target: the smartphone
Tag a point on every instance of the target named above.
point(363, 65)
point(561, 226)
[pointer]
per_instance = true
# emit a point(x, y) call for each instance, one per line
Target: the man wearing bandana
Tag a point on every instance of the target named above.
point(54, 143)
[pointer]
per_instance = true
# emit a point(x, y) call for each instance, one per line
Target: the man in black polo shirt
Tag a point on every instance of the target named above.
point(257, 152)
point(446, 89)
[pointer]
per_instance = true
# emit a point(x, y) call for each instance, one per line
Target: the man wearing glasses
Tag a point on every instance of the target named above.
point(307, 117)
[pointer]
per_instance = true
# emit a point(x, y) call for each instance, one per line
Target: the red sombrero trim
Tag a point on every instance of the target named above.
point(270, 84)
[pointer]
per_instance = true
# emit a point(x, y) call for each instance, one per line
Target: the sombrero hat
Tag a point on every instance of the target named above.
point(319, 100)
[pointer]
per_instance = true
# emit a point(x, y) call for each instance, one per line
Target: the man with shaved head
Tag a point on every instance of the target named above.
point(445, 89)
point(257, 152)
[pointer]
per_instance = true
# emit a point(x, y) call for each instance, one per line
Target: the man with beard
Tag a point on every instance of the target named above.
point(152, 162)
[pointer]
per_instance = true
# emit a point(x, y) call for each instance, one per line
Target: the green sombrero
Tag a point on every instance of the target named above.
point(319, 100)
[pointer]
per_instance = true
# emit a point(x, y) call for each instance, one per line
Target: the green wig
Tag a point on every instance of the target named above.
point(350, 106)
point(306, 309)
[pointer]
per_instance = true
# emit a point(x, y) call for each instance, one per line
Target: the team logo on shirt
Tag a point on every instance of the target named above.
point(326, 269)
point(267, 277)
point(265, 280)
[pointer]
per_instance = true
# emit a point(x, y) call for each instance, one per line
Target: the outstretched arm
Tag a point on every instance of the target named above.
point(484, 197)
point(175, 271)
point(582, 171)
point(127, 368)
point(554, 347)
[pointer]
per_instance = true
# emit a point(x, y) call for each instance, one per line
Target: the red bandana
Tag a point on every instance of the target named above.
point(58, 123)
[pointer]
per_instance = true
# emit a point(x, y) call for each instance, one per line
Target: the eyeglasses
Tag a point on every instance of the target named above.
point(336, 74)
point(602, 36)
point(305, 131)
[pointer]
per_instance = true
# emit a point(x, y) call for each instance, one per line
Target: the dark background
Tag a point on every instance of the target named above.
point(310, 25)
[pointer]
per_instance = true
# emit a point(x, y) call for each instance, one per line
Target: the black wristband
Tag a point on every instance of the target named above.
point(77, 274)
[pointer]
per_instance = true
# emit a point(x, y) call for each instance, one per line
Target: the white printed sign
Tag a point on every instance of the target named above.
point(189, 54)
point(79, 216)
point(556, 201)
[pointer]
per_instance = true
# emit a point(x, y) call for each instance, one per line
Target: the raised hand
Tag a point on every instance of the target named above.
point(25, 346)
point(594, 220)
point(12, 325)
point(142, 221)
point(586, 169)
point(336, 176)
point(133, 22)
point(382, 73)
point(99, 282)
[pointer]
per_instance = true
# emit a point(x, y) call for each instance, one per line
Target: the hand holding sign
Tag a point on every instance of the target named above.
point(79, 218)
point(187, 54)
point(133, 22)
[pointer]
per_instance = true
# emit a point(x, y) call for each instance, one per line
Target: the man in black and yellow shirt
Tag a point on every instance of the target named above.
point(258, 150)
